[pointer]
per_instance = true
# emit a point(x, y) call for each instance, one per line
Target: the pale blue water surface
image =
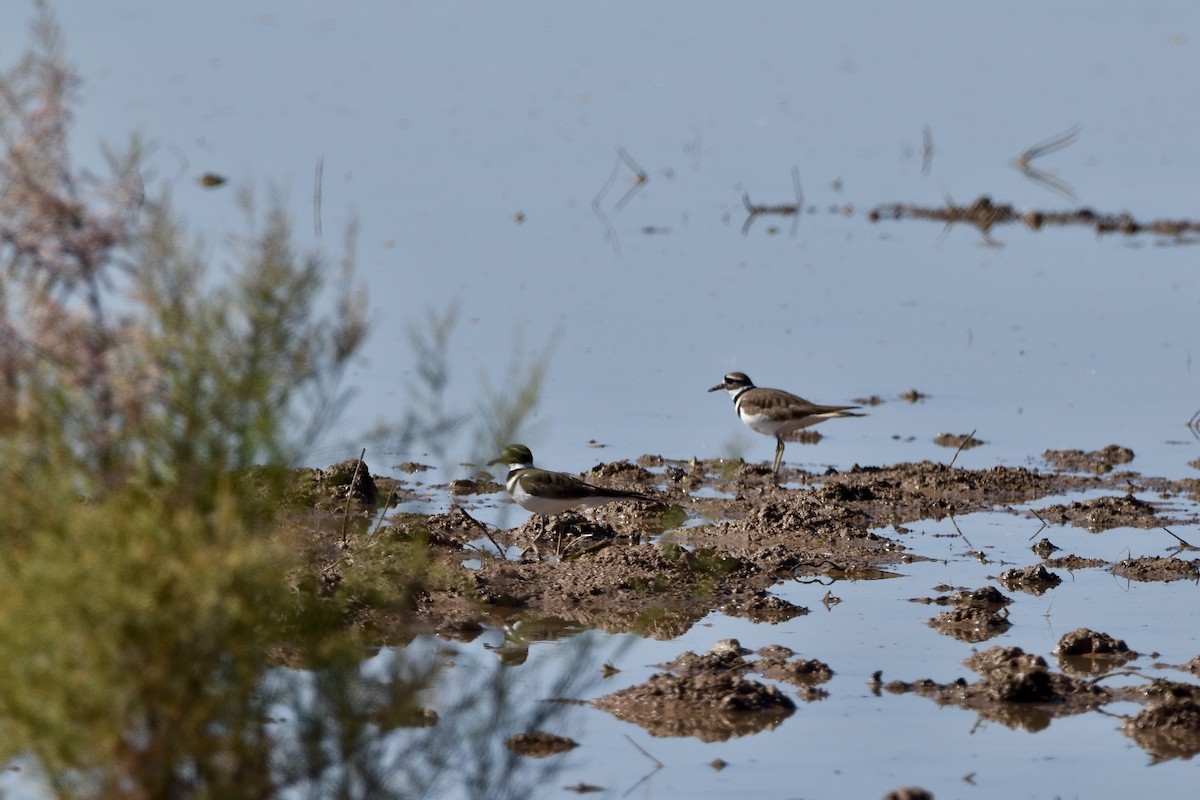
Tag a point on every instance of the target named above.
point(438, 123)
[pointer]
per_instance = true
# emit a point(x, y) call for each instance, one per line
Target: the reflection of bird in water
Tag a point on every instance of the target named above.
point(522, 633)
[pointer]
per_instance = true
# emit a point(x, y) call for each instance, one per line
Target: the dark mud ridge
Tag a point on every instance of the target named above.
point(726, 533)
point(709, 696)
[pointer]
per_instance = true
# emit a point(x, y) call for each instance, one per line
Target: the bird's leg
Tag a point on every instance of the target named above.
point(778, 454)
point(538, 529)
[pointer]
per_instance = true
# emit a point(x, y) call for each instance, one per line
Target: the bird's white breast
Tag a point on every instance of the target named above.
point(540, 505)
point(762, 423)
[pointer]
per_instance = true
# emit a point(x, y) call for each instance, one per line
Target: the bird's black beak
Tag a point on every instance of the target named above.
point(496, 461)
point(717, 388)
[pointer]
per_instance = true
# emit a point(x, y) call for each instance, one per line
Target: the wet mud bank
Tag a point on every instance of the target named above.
point(725, 535)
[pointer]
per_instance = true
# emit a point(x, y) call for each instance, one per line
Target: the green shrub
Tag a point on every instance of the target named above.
point(143, 599)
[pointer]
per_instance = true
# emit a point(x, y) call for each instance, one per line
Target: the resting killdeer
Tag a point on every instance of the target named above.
point(774, 411)
point(544, 492)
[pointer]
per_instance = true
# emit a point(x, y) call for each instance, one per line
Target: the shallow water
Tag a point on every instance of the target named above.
point(439, 123)
point(862, 742)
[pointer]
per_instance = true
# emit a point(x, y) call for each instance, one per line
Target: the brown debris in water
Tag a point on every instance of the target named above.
point(712, 707)
point(1157, 568)
point(1098, 462)
point(539, 744)
point(961, 441)
point(1019, 690)
point(1085, 642)
point(1168, 730)
point(1034, 580)
point(1016, 688)
point(1103, 513)
point(708, 697)
point(909, 793)
point(1044, 548)
point(1071, 562)
point(977, 615)
point(801, 673)
point(984, 215)
point(1086, 652)
point(467, 486)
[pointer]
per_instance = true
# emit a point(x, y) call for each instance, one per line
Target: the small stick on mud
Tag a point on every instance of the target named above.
point(1182, 544)
point(783, 209)
point(961, 445)
point(487, 532)
point(926, 150)
point(350, 496)
point(386, 505)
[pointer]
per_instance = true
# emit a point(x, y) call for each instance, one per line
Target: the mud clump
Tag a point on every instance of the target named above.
point(1156, 568)
point(1034, 580)
point(1102, 513)
point(977, 615)
point(1016, 688)
point(1086, 652)
point(1044, 548)
point(774, 662)
point(349, 480)
point(1071, 562)
point(539, 744)
point(469, 486)
point(759, 606)
point(804, 674)
point(711, 706)
point(909, 793)
point(1167, 730)
point(1084, 642)
point(564, 536)
point(1012, 676)
point(450, 531)
point(959, 441)
point(708, 696)
point(622, 475)
point(1098, 462)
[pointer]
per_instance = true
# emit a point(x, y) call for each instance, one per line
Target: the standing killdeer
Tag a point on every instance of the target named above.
point(774, 411)
point(544, 492)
